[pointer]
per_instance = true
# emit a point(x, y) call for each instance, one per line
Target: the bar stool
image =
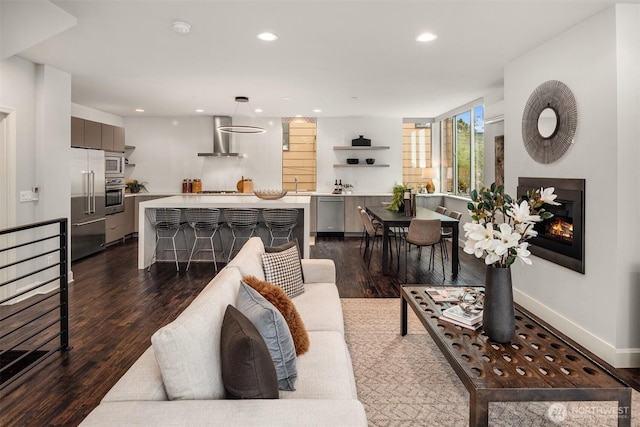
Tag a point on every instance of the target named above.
point(205, 224)
point(167, 225)
point(240, 221)
point(279, 220)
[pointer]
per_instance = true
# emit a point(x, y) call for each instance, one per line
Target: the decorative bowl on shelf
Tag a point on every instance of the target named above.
point(370, 161)
point(270, 194)
point(351, 161)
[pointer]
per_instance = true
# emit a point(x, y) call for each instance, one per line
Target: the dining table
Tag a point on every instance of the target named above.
point(389, 219)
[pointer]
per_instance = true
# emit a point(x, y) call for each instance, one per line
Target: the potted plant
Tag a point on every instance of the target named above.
point(348, 188)
point(398, 197)
point(135, 186)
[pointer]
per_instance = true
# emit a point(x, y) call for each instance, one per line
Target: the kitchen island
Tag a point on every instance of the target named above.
point(146, 232)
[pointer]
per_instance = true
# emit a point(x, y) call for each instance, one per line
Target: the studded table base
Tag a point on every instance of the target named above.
point(539, 364)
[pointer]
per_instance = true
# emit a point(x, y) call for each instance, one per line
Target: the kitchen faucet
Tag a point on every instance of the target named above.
point(295, 179)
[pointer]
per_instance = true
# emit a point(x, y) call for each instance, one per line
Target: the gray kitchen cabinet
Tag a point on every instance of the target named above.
point(129, 215)
point(77, 132)
point(92, 134)
point(118, 139)
point(107, 137)
point(115, 227)
point(352, 220)
point(313, 216)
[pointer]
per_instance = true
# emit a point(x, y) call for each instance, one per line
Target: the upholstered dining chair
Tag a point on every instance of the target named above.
point(372, 233)
point(447, 232)
point(423, 232)
point(441, 210)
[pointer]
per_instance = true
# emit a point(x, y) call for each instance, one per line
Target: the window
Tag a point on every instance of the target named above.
point(299, 154)
point(462, 139)
point(416, 152)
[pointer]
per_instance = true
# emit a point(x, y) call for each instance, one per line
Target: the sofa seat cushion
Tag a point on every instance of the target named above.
point(274, 330)
point(188, 349)
point(249, 259)
point(247, 369)
point(320, 308)
point(143, 381)
point(229, 413)
point(325, 371)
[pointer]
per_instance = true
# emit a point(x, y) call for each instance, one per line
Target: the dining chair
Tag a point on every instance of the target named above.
point(422, 233)
point(372, 232)
point(441, 210)
point(447, 232)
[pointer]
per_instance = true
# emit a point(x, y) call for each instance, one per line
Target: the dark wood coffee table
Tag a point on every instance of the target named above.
point(540, 364)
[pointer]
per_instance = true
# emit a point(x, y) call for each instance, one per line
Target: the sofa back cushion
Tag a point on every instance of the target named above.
point(249, 259)
point(188, 349)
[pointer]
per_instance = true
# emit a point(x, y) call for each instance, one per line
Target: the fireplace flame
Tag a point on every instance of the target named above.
point(560, 228)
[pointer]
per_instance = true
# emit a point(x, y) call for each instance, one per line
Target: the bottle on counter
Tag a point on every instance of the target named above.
point(340, 187)
point(335, 187)
point(196, 186)
point(185, 187)
point(189, 185)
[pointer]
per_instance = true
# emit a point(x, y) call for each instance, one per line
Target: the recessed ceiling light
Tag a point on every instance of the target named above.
point(258, 110)
point(199, 110)
point(286, 98)
point(267, 37)
point(181, 27)
point(317, 110)
point(298, 116)
point(426, 37)
point(139, 110)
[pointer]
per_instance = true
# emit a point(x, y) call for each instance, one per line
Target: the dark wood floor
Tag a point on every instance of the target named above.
point(115, 308)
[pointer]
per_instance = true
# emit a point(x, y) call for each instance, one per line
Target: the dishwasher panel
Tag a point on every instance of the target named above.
point(330, 216)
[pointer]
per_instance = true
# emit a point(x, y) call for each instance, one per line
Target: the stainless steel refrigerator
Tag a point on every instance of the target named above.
point(87, 202)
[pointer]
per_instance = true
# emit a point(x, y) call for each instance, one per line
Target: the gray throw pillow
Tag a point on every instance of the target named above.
point(274, 330)
point(247, 369)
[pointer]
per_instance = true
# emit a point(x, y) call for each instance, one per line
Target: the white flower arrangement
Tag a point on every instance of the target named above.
point(501, 225)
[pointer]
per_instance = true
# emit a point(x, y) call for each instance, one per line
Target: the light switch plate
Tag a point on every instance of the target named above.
point(26, 196)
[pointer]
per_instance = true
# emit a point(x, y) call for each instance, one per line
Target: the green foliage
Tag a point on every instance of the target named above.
point(135, 186)
point(398, 196)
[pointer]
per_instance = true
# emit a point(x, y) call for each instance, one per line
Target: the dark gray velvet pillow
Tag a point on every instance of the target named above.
point(248, 371)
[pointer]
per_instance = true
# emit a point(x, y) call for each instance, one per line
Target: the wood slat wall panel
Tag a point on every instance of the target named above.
point(300, 160)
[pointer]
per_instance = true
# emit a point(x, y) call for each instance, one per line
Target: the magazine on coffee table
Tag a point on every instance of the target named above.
point(446, 294)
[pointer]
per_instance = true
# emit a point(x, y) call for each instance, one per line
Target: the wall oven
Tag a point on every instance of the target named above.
point(114, 165)
point(114, 195)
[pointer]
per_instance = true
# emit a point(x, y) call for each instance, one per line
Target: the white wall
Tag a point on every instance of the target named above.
point(166, 152)
point(41, 97)
point(340, 131)
point(594, 308)
point(88, 113)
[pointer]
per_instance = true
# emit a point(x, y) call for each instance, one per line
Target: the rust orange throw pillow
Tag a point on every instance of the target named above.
point(276, 296)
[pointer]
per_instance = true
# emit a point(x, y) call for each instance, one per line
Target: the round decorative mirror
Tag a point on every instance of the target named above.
point(549, 121)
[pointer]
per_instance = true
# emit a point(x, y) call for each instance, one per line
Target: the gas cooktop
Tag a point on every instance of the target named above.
point(219, 192)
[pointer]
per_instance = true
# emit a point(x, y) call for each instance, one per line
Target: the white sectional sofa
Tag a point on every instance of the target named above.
point(325, 392)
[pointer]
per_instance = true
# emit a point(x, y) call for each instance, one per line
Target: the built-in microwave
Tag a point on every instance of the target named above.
point(114, 165)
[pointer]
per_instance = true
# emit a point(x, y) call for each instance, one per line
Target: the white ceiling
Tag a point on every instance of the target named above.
point(348, 58)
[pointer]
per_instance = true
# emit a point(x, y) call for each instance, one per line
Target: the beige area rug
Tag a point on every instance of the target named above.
point(405, 381)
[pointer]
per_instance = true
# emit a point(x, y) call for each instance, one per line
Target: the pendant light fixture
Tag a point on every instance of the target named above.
point(242, 129)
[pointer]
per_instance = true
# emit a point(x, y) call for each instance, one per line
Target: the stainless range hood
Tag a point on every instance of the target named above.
point(221, 140)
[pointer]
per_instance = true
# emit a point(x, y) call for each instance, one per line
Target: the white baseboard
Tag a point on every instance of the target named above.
point(617, 357)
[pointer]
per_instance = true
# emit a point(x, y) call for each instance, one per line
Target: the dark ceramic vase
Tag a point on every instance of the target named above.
point(498, 317)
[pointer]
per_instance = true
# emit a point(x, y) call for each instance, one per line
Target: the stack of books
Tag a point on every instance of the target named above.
point(456, 315)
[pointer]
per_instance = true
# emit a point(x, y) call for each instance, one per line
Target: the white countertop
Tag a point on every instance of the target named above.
point(226, 200)
point(305, 193)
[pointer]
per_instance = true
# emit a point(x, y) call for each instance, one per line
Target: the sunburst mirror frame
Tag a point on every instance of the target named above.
point(549, 145)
